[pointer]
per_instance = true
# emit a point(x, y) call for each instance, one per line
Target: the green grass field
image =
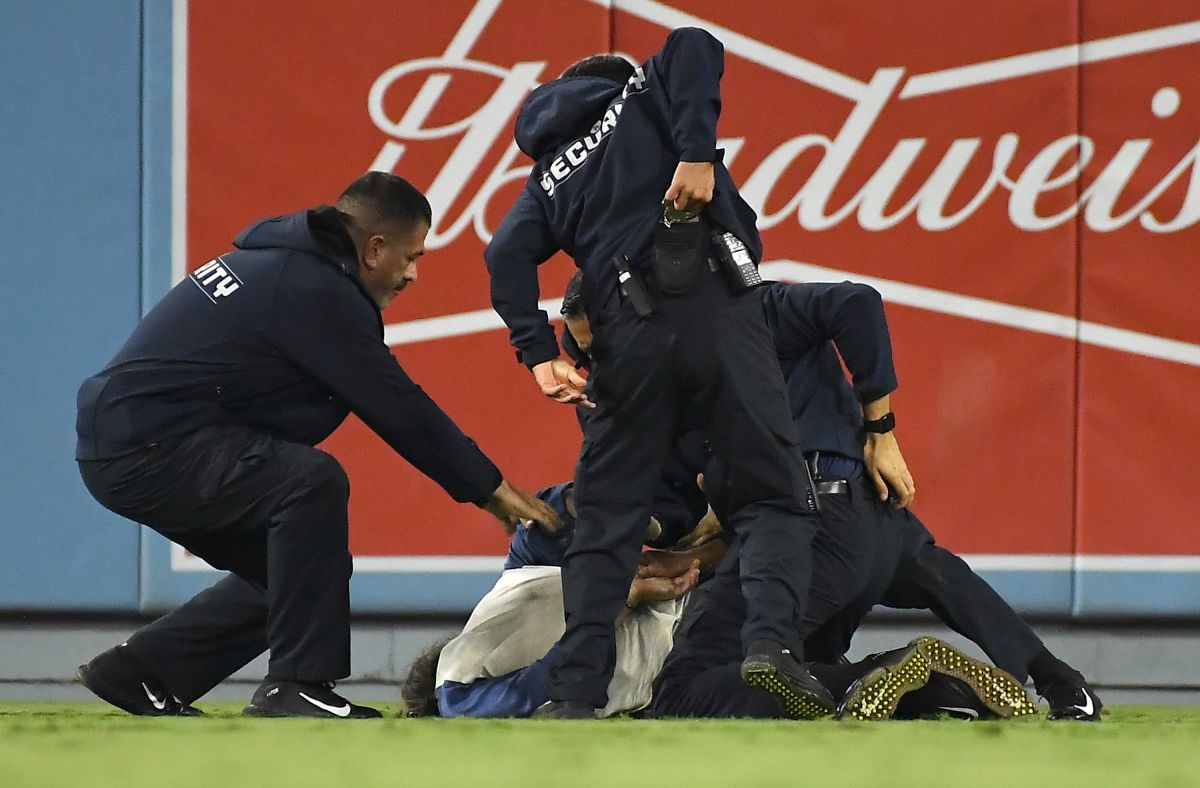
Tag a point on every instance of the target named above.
point(88, 744)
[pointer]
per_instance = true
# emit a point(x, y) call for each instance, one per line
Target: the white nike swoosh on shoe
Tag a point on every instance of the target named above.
point(158, 704)
point(960, 710)
point(337, 711)
point(1088, 707)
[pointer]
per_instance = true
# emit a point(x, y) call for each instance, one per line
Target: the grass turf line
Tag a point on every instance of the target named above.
point(52, 744)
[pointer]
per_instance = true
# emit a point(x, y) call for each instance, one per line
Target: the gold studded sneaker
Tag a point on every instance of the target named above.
point(998, 690)
point(776, 671)
point(875, 695)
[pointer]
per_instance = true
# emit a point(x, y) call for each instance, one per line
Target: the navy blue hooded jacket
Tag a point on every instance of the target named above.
point(282, 337)
point(605, 154)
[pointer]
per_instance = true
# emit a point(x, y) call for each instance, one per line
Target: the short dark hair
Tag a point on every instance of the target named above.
point(572, 305)
point(613, 67)
point(417, 691)
point(381, 198)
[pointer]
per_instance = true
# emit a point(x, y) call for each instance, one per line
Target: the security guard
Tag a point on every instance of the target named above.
point(679, 339)
point(870, 548)
point(848, 435)
point(203, 428)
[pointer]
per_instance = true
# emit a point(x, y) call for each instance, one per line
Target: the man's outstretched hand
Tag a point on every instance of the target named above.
point(510, 505)
point(559, 381)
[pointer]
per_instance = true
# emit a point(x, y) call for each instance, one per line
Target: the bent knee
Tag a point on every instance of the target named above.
point(326, 475)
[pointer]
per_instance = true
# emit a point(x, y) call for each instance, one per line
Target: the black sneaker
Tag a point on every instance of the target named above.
point(776, 671)
point(304, 699)
point(892, 674)
point(565, 710)
point(1072, 700)
point(116, 676)
point(996, 688)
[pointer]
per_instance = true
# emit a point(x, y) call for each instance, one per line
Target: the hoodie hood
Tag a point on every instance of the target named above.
point(561, 111)
point(317, 232)
point(280, 232)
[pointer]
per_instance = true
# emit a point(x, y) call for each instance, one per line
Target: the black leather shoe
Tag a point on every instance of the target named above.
point(1072, 700)
point(773, 669)
point(892, 675)
point(999, 691)
point(116, 676)
point(565, 710)
point(276, 698)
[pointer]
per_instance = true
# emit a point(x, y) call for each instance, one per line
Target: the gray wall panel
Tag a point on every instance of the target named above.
point(70, 92)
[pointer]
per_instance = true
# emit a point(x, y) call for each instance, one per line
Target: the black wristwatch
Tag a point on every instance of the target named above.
point(881, 425)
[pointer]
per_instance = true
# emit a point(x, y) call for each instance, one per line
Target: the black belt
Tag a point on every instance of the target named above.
point(838, 487)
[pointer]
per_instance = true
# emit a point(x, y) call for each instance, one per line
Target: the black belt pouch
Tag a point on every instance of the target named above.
point(678, 256)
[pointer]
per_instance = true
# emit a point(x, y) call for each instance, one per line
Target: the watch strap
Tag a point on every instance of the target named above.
point(886, 423)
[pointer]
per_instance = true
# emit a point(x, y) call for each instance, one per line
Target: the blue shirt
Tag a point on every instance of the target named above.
point(531, 546)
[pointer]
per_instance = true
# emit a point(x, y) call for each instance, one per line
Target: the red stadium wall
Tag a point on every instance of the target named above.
point(1029, 210)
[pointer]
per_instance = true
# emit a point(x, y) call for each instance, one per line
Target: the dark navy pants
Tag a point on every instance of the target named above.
point(271, 512)
point(900, 566)
point(704, 359)
point(698, 678)
point(913, 572)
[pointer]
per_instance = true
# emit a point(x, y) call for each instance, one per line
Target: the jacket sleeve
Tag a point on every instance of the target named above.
point(333, 334)
point(848, 314)
point(522, 242)
point(692, 63)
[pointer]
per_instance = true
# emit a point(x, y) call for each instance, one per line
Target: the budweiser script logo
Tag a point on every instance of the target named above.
point(1057, 164)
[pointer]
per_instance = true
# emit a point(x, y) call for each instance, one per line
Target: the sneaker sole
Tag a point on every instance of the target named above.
point(876, 695)
point(998, 690)
point(796, 702)
point(1073, 717)
point(255, 711)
